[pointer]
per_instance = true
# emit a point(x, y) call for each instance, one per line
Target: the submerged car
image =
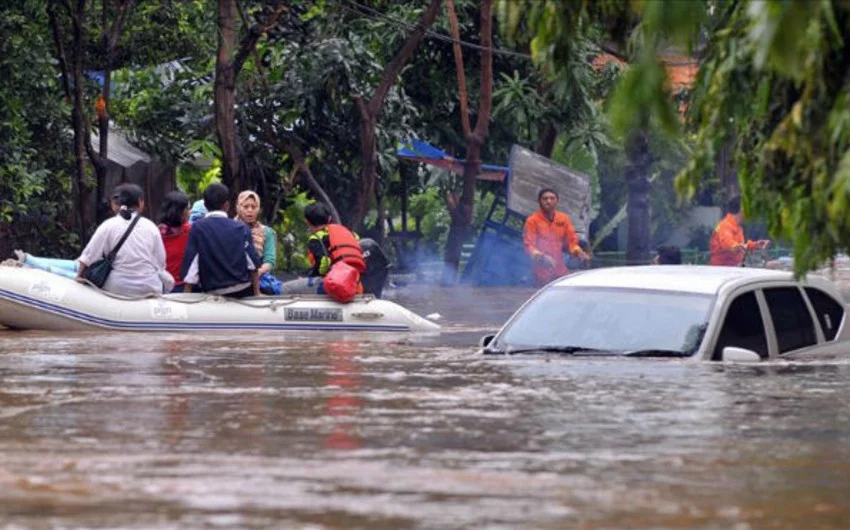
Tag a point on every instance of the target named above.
point(696, 312)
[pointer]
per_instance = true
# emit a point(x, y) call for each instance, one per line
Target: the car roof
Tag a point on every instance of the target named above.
point(700, 279)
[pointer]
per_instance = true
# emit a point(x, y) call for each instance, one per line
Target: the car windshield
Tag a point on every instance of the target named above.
point(610, 320)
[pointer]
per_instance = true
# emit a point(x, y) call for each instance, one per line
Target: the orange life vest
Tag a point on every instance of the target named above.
point(343, 246)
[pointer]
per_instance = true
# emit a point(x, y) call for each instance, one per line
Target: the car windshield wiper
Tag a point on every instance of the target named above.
point(568, 350)
point(654, 352)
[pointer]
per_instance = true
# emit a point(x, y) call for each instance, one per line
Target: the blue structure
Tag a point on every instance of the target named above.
point(498, 257)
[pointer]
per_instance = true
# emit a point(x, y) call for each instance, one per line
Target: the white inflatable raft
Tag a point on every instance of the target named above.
point(36, 299)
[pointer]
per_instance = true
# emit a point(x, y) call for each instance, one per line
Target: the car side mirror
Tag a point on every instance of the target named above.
point(740, 355)
point(486, 340)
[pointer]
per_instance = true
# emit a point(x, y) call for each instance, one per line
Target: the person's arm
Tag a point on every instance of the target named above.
point(529, 238)
point(159, 252)
point(189, 265)
point(94, 251)
point(269, 251)
point(315, 252)
point(251, 253)
point(571, 242)
point(727, 242)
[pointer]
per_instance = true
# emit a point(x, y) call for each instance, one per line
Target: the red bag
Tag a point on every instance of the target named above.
point(341, 282)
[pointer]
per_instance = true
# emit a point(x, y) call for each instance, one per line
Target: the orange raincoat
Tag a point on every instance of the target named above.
point(727, 235)
point(552, 238)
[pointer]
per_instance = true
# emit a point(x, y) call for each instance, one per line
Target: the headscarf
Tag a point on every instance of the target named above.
point(258, 229)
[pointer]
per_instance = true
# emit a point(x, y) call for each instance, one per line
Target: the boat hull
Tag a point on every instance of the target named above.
point(35, 299)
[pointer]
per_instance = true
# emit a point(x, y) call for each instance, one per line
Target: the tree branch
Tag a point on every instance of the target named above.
point(249, 41)
point(117, 27)
point(60, 49)
point(300, 164)
point(392, 70)
point(362, 107)
point(461, 76)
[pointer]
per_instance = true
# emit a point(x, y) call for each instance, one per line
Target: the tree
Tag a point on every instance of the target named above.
point(110, 33)
point(36, 212)
point(626, 30)
point(461, 211)
point(73, 84)
point(370, 113)
point(231, 57)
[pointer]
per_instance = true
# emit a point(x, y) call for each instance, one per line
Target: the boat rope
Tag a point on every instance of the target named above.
point(272, 303)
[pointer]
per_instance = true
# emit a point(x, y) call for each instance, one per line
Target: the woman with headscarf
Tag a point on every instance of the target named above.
point(247, 211)
point(174, 228)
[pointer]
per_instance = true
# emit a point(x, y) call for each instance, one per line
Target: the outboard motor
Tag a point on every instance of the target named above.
point(377, 267)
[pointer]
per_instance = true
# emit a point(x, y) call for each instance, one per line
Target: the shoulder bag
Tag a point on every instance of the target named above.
point(98, 272)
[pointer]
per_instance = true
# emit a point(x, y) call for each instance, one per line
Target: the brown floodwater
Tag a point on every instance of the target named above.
point(356, 431)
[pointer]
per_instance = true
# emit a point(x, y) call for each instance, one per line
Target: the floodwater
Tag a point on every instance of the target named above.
point(160, 431)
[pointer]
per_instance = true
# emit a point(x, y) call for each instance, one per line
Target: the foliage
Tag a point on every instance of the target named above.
point(775, 80)
point(292, 234)
point(35, 151)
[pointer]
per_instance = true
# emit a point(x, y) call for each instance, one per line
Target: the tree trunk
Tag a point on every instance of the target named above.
point(79, 121)
point(637, 206)
point(109, 39)
point(103, 149)
point(370, 114)
point(230, 58)
point(728, 175)
point(368, 165)
point(225, 94)
point(546, 144)
point(461, 224)
point(461, 215)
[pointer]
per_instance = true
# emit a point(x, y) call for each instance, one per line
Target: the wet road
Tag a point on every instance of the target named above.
point(382, 432)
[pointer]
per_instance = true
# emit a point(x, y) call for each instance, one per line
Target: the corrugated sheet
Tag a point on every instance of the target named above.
point(120, 150)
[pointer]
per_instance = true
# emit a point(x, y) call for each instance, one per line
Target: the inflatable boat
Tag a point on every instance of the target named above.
point(36, 299)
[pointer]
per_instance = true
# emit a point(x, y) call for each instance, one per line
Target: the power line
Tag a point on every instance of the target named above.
point(435, 34)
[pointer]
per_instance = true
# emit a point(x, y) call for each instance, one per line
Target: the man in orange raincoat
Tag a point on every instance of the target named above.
point(547, 234)
point(728, 246)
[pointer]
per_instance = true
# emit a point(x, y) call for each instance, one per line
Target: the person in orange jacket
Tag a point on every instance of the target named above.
point(728, 246)
point(547, 234)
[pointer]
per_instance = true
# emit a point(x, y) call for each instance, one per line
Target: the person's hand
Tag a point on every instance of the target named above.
point(546, 259)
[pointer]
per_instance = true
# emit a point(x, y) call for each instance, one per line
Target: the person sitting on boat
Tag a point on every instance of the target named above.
point(329, 242)
point(264, 238)
point(220, 256)
point(174, 229)
point(139, 266)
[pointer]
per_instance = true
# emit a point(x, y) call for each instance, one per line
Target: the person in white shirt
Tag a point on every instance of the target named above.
point(139, 266)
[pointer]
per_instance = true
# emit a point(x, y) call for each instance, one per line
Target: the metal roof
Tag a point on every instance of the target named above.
point(120, 150)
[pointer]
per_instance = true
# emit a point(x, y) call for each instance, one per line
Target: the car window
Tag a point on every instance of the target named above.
point(792, 321)
point(742, 327)
point(829, 312)
point(610, 319)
